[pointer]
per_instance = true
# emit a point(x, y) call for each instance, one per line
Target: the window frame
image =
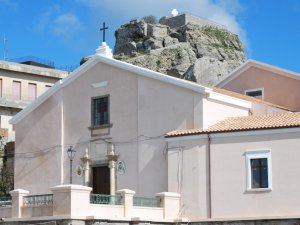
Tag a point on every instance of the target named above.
point(31, 84)
point(258, 154)
point(92, 112)
point(256, 89)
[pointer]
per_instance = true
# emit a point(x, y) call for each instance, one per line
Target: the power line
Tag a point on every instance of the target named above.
point(41, 152)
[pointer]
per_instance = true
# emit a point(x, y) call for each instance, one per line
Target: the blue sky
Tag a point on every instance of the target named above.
point(65, 31)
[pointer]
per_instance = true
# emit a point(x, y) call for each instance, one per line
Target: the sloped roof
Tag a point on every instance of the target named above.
point(253, 63)
point(245, 123)
point(245, 97)
point(210, 92)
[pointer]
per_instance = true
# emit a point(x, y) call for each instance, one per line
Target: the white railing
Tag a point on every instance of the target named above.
point(70, 200)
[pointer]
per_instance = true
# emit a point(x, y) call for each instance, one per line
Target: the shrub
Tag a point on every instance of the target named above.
point(150, 19)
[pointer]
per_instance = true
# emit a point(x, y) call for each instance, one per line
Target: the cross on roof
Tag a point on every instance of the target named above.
point(103, 30)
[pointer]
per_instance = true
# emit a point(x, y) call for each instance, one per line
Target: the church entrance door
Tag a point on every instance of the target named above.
point(101, 180)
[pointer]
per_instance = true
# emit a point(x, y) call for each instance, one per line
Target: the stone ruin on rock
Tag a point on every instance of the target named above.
point(183, 46)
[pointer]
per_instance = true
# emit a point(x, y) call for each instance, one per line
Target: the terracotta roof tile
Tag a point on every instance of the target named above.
point(244, 123)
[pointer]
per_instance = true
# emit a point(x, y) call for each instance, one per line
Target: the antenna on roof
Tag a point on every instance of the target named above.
point(5, 42)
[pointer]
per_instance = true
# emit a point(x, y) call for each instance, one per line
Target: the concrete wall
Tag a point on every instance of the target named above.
point(278, 89)
point(188, 172)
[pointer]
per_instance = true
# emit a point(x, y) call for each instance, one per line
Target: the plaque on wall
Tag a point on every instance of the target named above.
point(120, 167)
point(79, 170)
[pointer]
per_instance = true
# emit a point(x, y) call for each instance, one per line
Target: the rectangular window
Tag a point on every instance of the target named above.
point(16, 90)
point(258, 93)
point(100, 111)
point(258, 165)
point(31, 91)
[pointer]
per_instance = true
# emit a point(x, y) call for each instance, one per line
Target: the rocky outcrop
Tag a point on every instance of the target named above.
point(199, 52)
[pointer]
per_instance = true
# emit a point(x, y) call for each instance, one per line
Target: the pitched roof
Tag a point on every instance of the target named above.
point(245, 97)
point(245, 123)
point(253, 63)
point(210, 92)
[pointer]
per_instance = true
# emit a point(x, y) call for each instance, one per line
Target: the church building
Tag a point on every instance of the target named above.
point(114, 126)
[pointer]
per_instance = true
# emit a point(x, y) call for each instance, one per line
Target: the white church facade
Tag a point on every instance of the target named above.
point(130, 128)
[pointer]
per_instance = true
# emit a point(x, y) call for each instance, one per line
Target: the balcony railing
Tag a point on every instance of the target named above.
point(38, 199)
point(5, 201)
point(106, 199)
point(146, 202)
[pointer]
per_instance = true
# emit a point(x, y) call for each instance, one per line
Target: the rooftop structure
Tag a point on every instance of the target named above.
point(34, 61)
point(178, 20)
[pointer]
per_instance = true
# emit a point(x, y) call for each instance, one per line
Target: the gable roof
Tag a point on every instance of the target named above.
point(256, 64)
point(210, 92)
point(245, 123)
point(245, 97)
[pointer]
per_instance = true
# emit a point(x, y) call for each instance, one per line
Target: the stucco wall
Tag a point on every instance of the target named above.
point(142, 110)
point(215, 111)
point(278, 89)
point(38, 148)
point(229, 195)
point(188, 169)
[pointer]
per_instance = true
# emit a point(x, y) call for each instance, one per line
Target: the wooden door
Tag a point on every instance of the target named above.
point(101, 180)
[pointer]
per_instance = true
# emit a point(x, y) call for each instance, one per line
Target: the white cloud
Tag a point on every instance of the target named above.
point(63, 24)
point(220, 11)
point(45, 19)
point(66, 24)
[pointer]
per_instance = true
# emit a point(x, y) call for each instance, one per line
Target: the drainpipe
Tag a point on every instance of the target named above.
point(209, 175)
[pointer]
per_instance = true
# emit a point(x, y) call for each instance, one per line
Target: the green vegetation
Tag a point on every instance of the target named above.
point(158, 63)
point(223, 36)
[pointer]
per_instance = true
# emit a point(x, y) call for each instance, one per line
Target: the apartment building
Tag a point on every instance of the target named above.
point(20, 84)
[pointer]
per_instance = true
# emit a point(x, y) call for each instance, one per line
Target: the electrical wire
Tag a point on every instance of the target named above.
point(41, 152)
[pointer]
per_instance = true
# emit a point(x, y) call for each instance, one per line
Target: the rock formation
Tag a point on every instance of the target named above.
point(183, 46)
